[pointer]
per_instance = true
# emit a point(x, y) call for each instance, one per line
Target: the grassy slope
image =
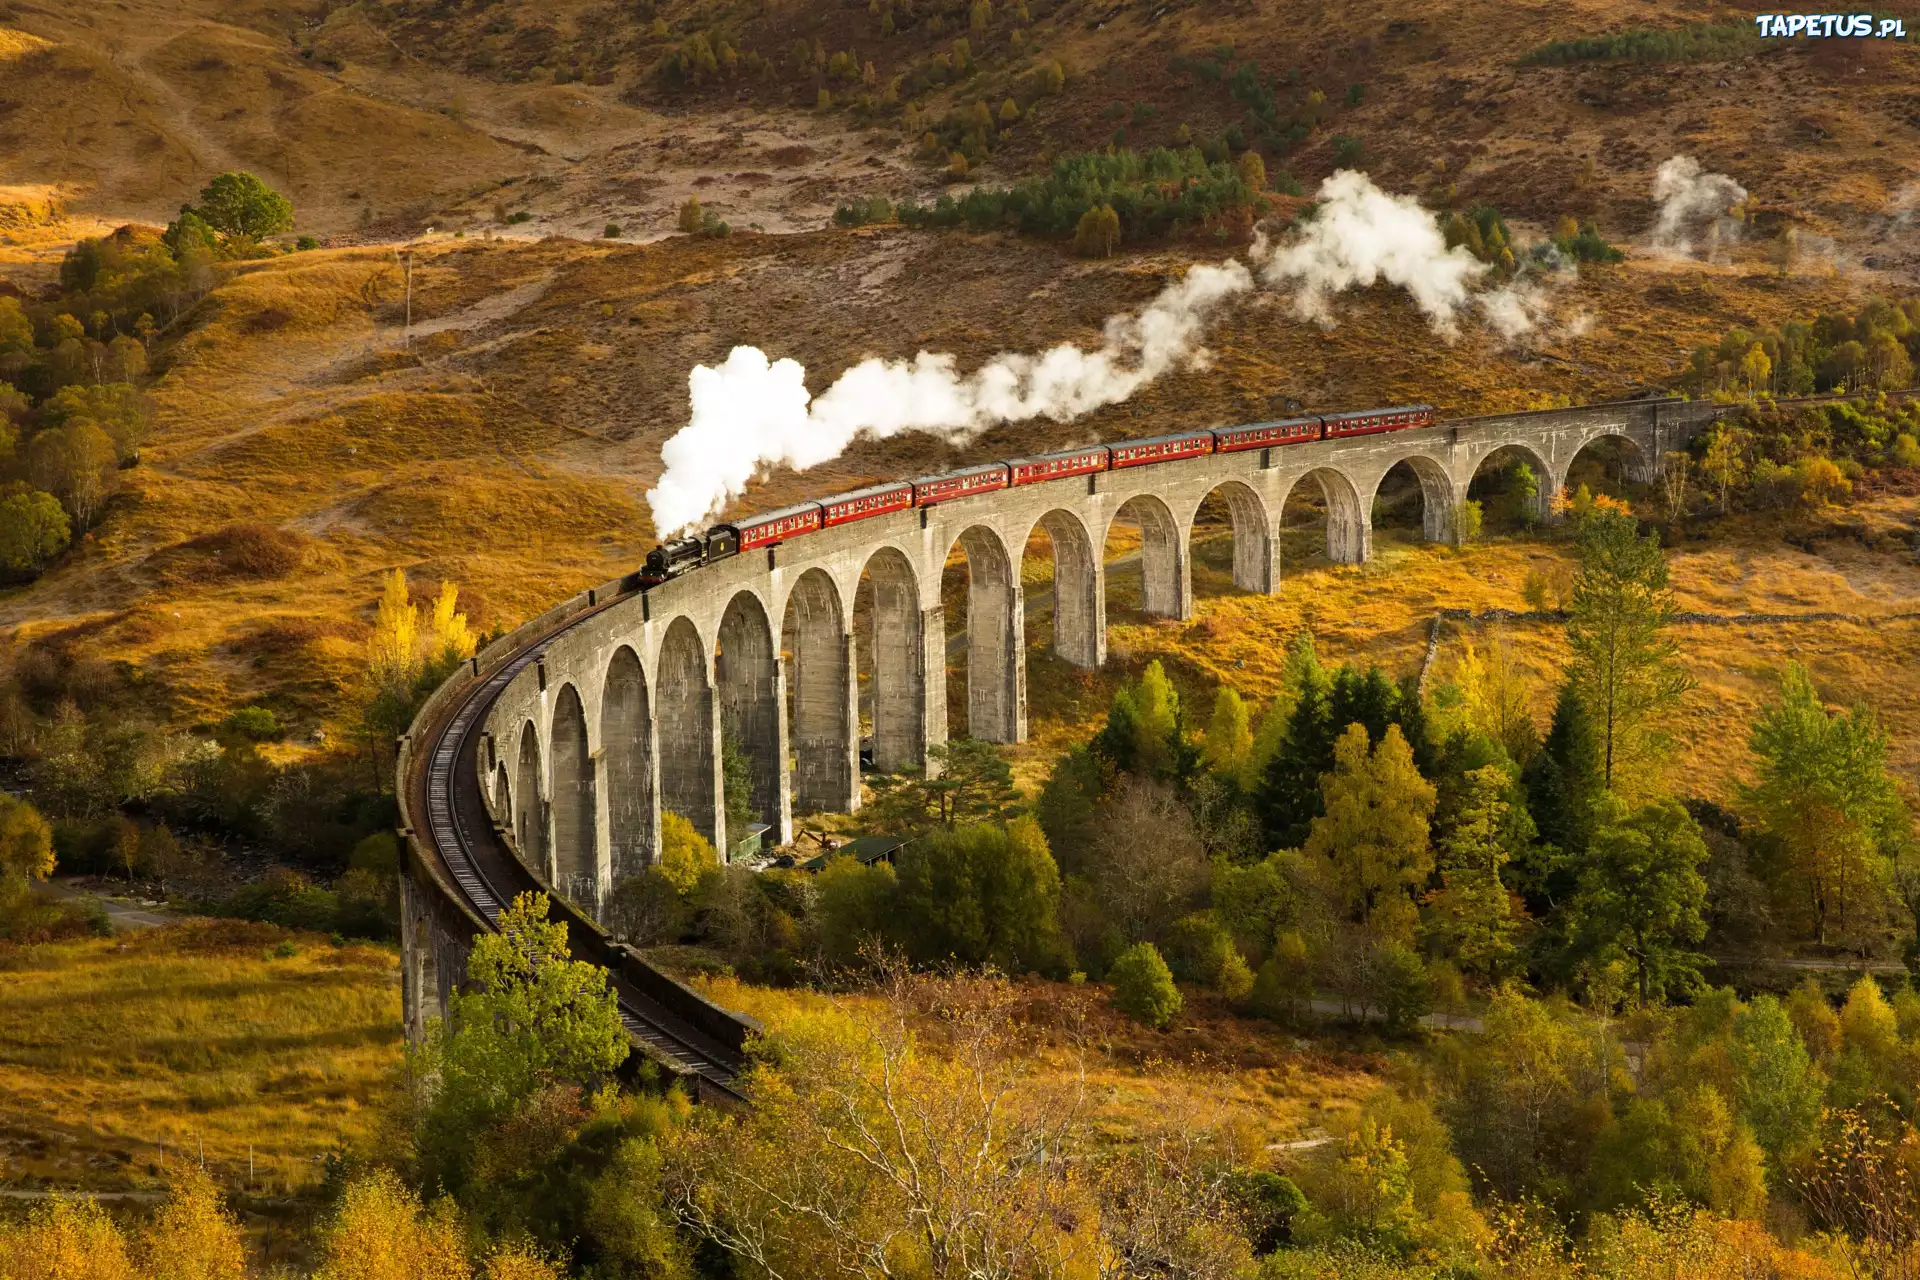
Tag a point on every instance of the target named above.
point(189, 1037)
point(394, 117)
point(1821, 131)
point(132, 112)
point(1382, 613)
point(192, 1035)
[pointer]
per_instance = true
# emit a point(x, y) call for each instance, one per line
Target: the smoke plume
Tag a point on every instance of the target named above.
point(1694, 205)
point(1360, 236)
point(750, 414)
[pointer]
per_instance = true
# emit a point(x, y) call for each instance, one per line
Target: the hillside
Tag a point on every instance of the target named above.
point(522, 225)
point(506, 444)
point(384, 119)
point(508, 448)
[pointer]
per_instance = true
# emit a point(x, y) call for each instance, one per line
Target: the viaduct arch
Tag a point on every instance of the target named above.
point(628, 714)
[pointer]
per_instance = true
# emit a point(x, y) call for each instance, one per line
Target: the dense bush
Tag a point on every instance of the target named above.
point(1580, 243)
point(1201, 951)
point(1792, 460)
point(860, 213)
point(1164, 193)
point(256, 724)
point(1700, 43)
point(363, 903)
point(1143, 986)
point(983, 894)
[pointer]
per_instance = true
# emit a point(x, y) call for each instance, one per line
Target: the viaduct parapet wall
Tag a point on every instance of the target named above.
point(627, 713)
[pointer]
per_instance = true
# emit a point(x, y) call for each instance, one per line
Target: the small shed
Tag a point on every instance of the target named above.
point(865, 850)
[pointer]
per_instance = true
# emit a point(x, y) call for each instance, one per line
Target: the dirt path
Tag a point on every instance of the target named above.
point(124, 913)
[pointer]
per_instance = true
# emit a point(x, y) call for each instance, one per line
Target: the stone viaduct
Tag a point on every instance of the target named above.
point(625, 715)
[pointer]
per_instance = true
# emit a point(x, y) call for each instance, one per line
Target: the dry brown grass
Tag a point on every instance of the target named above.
point(137, 114)
point(380, 126)
point(245, 549)
point(190, 1036)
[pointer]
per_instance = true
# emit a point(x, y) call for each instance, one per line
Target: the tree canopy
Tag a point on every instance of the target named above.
point(1823, 792)
point(1625, 666)
point(530, 1016)
point(1371, 844)
point(1641, 895)
point(970, 782)
point(242, 208)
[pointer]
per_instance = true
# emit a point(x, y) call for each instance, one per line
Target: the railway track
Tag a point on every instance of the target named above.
point(663, 1018)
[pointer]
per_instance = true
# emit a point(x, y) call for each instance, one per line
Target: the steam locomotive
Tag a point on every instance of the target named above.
point(675, 557)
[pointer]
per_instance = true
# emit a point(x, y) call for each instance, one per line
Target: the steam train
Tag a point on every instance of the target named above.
point(673, 558)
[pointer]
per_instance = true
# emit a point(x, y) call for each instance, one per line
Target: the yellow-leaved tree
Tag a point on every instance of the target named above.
point(1371, 846)
point(26, 841)
point(519, 1260)
point(1756, 368)
point(1229, 733)
point(382, 1232)
point(449, 638)
point(67, 1237)
point(1097, 234)
point(193, 1237)
point(400, 652)
point(1498, 699)
point(684, 853)
point(393, 650)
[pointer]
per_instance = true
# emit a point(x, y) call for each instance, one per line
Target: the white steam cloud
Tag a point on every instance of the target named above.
point(750, 414)
point(1361, 235)
point(1693, 204)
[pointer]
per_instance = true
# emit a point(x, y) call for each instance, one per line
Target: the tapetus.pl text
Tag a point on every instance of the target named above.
point(1850, 25)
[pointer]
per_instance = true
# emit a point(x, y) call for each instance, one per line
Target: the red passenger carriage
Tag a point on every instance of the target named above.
point(774, 526)
point(1055, 466)
point(959, 484)
point(1138, 453)
point(876, 500)
point(1264, 435)
point(1368, 421)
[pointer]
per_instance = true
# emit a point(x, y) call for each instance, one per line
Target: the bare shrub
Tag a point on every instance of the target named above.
point(252, 549)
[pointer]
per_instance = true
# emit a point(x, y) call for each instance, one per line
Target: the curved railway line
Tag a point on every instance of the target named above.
point(687, 1036)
